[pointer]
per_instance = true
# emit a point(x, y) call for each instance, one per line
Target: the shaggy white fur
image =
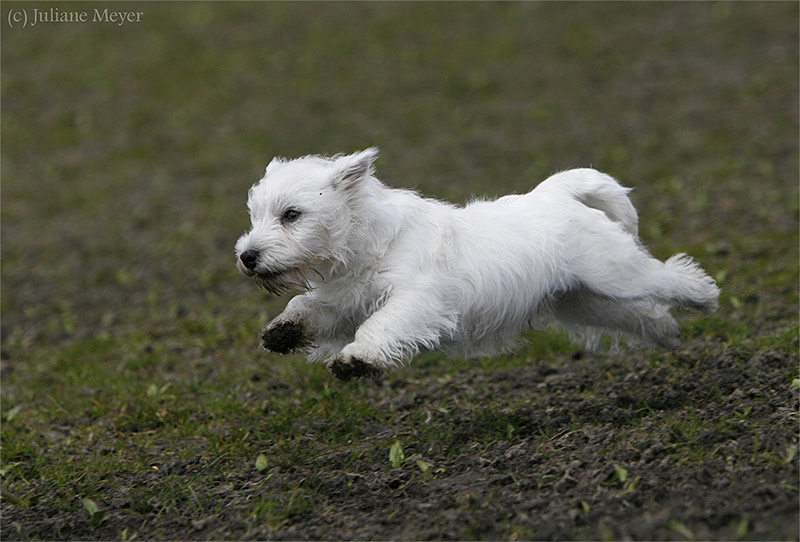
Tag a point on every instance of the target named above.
point(387, 273)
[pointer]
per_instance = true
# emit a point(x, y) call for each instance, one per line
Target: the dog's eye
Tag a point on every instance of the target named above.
point(291, 215)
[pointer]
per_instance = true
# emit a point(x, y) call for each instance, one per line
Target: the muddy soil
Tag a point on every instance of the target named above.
point(615, 464)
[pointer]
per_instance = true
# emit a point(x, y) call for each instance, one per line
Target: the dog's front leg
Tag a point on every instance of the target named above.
point(290, 331)
point(404, 325)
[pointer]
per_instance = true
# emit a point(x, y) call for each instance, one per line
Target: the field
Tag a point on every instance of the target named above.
point(136, 403)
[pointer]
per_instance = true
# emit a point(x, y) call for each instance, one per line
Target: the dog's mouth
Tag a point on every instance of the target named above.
point(272, 282)
point(268, 275)
point(280, 282)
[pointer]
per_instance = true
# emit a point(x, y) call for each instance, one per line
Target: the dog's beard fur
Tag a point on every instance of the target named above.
point(281, 282)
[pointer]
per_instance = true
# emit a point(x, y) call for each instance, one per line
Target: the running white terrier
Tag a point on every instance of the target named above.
point(388, 273)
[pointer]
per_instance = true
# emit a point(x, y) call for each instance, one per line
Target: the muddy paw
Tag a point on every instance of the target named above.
point(284, 337)
point(345, 369)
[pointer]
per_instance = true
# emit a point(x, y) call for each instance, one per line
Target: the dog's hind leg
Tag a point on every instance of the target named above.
point(697, 289)
point(610, 262)
point(587, 315)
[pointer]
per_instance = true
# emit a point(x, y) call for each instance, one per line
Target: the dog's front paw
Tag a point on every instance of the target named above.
point(284, 337)
point(347, 367)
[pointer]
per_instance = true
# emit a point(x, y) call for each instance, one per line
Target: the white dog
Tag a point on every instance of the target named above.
point(388, 273)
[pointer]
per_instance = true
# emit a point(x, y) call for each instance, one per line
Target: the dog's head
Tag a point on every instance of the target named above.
point(301, 216)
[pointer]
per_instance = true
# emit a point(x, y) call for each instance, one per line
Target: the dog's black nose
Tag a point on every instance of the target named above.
point(249, 259)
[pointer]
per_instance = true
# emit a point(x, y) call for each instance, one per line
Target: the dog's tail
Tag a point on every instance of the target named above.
point(598, 191)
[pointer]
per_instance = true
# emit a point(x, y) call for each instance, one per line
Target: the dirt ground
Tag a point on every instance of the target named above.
point(553, 479)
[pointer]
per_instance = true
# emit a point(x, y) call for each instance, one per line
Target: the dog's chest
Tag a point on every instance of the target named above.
point(355, 299)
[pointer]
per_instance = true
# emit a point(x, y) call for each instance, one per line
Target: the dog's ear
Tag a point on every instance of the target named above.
point(353, 168)
point(275, 161)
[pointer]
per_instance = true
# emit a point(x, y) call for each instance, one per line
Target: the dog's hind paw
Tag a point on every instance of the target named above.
point(284, 337)
point(346, 368)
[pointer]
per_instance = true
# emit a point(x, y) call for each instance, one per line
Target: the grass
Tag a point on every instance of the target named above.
point(130, 373)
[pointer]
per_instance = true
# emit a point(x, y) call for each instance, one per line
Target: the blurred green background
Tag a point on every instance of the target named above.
point(127, 152)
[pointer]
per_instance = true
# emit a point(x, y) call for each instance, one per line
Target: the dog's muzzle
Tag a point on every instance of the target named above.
point(249, 259)
point(248, 264)
point(274, 281)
